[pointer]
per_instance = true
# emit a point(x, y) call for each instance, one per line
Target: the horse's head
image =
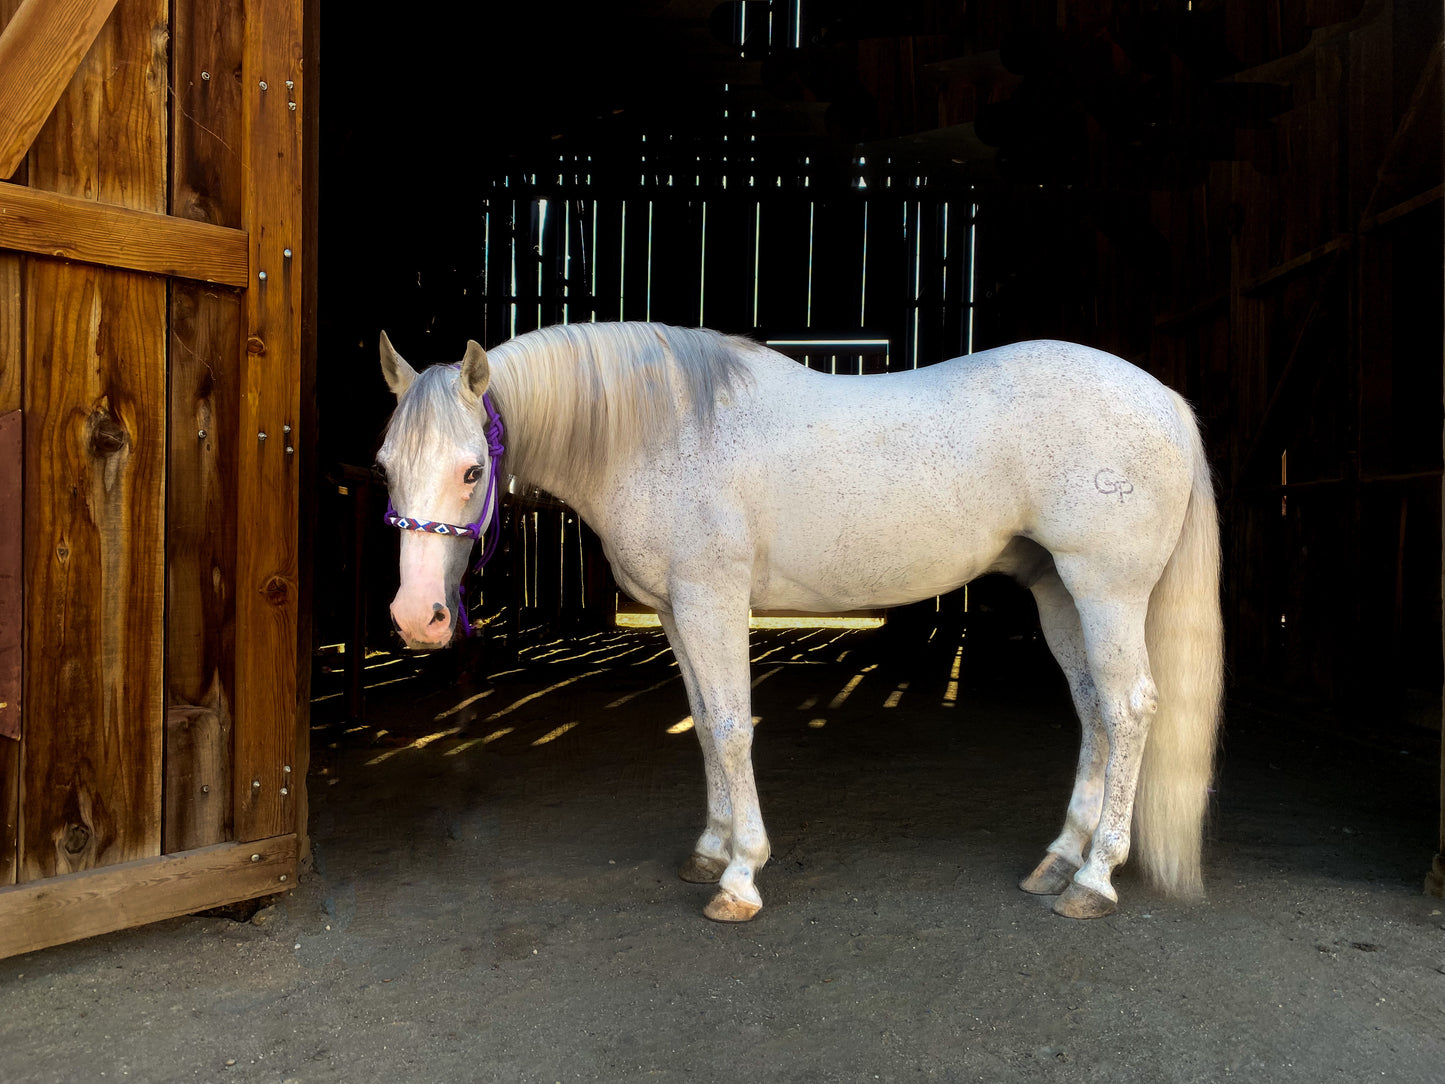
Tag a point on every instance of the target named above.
point(439, 468)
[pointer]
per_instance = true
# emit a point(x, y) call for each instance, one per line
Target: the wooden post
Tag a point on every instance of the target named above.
point(268, 596)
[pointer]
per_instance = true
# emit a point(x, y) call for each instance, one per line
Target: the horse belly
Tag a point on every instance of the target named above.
point(827, 564)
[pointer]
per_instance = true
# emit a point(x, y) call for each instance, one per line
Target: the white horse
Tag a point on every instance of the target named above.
point(722, 476)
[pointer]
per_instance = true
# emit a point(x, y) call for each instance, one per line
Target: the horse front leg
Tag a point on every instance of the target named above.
point(713, 850)
point(712, 628)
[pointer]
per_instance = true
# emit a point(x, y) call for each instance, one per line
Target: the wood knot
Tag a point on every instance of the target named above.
point(77, 838)
point(254, 345)
point(107, 435)
point(277, 591)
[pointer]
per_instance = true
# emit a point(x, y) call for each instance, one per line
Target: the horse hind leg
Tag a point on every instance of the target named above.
point(1128, 701)
point(1065, 637)
point(711, 852)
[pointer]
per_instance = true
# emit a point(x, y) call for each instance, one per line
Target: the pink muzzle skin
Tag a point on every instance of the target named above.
point(440, 617)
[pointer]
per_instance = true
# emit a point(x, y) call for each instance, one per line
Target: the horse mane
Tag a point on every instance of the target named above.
point(575, 397)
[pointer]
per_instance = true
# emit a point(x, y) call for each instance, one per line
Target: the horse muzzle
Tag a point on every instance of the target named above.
point(423, 628)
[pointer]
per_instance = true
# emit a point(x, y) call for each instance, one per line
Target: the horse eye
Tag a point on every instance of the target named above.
point(473, 473)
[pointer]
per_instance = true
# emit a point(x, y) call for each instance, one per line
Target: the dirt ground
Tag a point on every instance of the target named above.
point(494, 898)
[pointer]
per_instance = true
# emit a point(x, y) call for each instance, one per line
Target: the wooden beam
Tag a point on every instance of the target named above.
point(268, 489)
point(40, 49)
point(76, 905)
point(72, 228)
point(1289, 267)
point(1414, 203)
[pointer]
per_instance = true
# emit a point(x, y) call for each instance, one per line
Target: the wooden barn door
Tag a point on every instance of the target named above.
point(151, 269)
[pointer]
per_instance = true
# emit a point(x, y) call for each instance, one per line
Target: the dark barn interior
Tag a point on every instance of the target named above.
point(1244, 199)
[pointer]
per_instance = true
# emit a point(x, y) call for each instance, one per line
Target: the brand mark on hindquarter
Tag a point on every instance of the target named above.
point(1106, 481)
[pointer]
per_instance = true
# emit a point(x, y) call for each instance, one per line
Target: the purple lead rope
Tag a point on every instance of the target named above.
point(495, 448)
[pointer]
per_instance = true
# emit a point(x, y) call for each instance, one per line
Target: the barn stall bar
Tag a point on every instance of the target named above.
point(154, 257)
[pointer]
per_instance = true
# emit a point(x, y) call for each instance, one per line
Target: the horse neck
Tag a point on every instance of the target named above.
point(537, 468)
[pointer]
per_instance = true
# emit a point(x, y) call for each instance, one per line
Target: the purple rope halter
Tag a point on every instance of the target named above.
point(477, 529)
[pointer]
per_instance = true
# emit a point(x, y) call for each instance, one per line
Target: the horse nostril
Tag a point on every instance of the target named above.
point(439, 613)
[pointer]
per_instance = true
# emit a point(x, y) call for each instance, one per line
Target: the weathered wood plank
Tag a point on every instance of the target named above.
point(207, 42)
point(95, 452)
point(95, 456)
point(11, 396)
point(11, 327)
point(201, 534)
point(11, 576)
point(197, 788)
point(78, 905)
point(206, 339)
point(267, 487)
point(82, 229)
point(12, 602)
point(40, 49)
point(106, 138)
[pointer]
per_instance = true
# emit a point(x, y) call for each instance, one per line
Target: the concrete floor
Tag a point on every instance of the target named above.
point(494, 899)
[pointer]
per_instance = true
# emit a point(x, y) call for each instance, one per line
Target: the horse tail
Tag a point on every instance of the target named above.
point(1185, 638)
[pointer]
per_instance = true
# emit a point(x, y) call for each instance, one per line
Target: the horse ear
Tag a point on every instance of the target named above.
point(476, 371)
point(398, 373)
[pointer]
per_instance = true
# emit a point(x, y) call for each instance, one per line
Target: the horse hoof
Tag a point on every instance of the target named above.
point(701, 870)
point(1079, 901)
point(725, 907)
point(1050, 877)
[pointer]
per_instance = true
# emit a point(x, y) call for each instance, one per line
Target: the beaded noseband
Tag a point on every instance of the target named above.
point(478, 529)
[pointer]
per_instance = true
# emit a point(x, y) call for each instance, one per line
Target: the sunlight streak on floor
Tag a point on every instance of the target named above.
point(553, 735)
point(539, 693)
point(847, 690)
point(640, 692)
point(468, 702)
point(420, 743)
point(950, 696)
point(464, 746)
point(896, 695)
